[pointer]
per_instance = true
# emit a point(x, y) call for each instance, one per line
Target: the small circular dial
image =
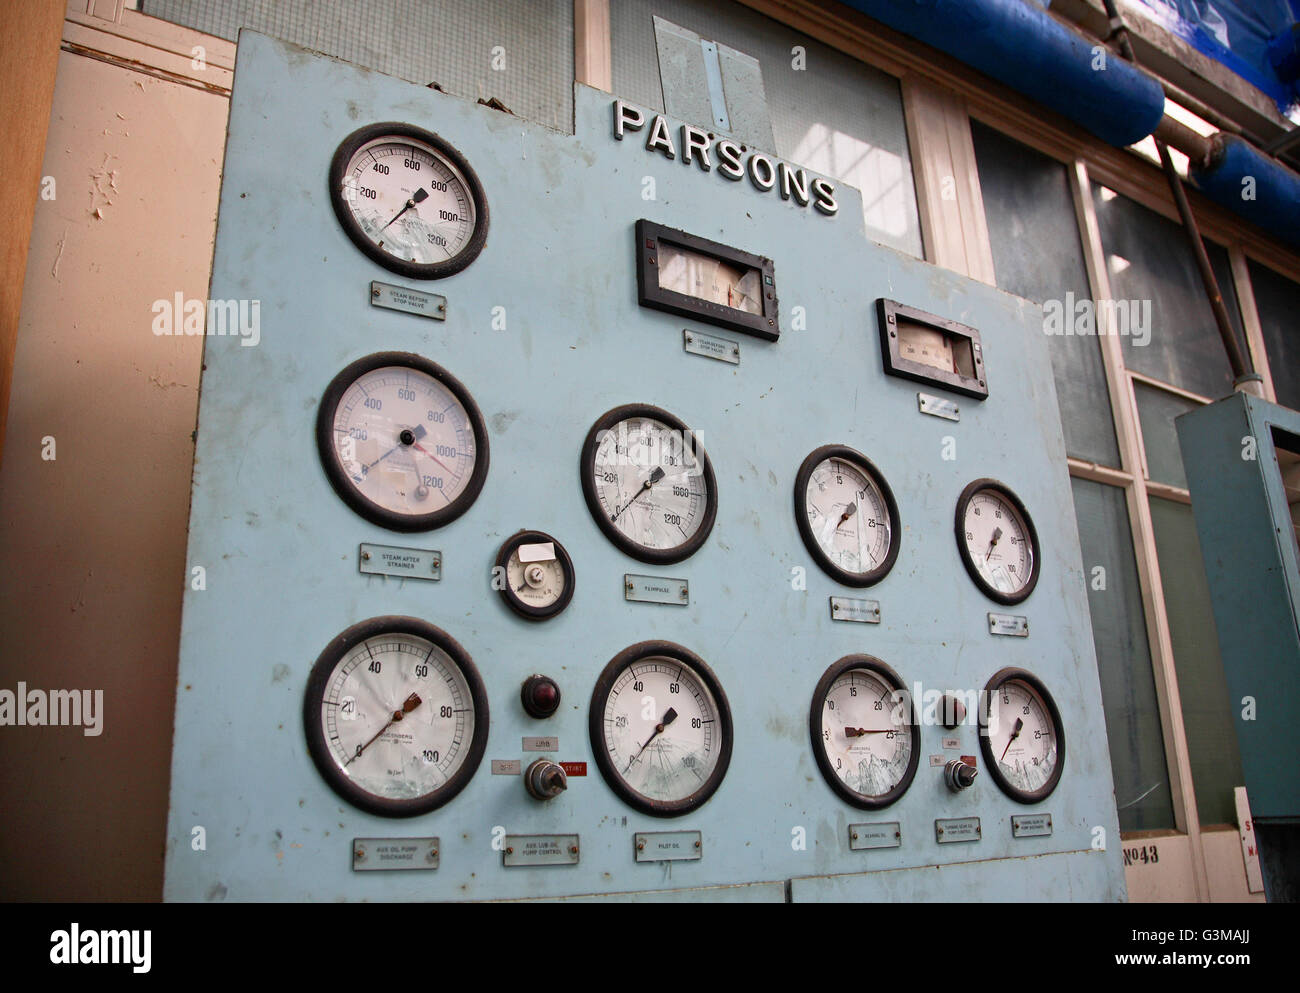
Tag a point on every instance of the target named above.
point(396, 716)
point(660, 728)
point(846, 515)
point(1022, 738)
point(648, 483)
point(408, 200)
point(535, 575)
point(402, 441)
point(997, 541)
point(864, 731)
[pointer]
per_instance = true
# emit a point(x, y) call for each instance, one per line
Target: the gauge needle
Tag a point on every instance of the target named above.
point(669, 717)
point(420, 196)
point(416, 434)
point(859, 732)
point(997, 533)
point(655, 476)
point(1015, 733)
point(411, 703)
point(420, 448)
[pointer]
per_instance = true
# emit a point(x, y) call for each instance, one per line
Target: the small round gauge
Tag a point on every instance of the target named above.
point(649, 483)
point(402, 441)
point(534, 575)
point(997, 541)
point(396, 716)
point(660, 728)
point(1021, 736)
point(409, 200)
point(846, 515)
point(864, 731)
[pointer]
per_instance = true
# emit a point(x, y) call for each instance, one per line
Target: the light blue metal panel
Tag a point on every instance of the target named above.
point(280, 549)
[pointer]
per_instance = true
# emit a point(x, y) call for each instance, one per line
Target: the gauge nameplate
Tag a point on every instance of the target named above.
point(542, 744)
point(393, 560)
point(938, 407)
point(711, 346)
point(387, 854)
point(847, 608)
point(668, 846)
point(540, 850)
point(847, 515)
point(956, 361)
point(408, 301)
point(1031, 825)
point(954, 830)
point(863, 837)
point(655, 241)
point(507, 767)
point(1010, 625)
point(656, 589)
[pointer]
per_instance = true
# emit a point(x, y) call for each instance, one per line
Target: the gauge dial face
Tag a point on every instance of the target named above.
point(402, 441)
point(396, 716)
point(695, 274)
point(864, 732)
point(660, 728)
point(847, 515)
point(409, 200)
point(1023, 742)
point(649, 483)
point(997, 541)
point(536, 575)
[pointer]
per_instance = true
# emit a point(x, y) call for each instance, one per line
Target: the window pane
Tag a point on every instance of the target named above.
point(1128, 689)
point(1037, 255)
point(1156, 412)
point(1277, 301)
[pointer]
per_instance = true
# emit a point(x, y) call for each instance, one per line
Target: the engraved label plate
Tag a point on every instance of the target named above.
point(711, 346)
point(540, 849)
point(391, 560)
point(541, 552)
point(668, 846)
point(865, 836)
point(656, 589)
point(1012, 625)
point(847, 608)
point(954, 829)
point(375, 854)
point(408, 301)
point(506, 767)
point(938, 761)
point(938, 407)
point(951, 743)
point(1030, 825)
point(548, 744)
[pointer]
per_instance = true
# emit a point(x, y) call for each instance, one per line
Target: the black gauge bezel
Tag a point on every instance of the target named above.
point(816, 727)
point(596, 725)
point(341, 481)
point(318, 746)
point(1011, 674)
point(1007, 599)
point(888, 313)
point(412, 270)
point(587, 469)
point(845, 454)
point(512, 599)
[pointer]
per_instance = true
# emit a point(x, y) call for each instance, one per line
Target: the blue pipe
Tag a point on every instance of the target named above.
point(1260, 189)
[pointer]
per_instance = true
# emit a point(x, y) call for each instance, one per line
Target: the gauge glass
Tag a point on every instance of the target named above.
point(695, 274)
point(1023, 740)
point(849, 518)
point(997, 540)
point(536, 575)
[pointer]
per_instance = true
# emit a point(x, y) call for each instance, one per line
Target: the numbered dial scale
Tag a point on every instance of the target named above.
point(997, 541)
point(864, 732)
point(1021, 736)
point(535, 575)
point(846, 515)
point(408, 200)
point(660, 728)
point(648, 483)
point(396, 716)
point(402, 441)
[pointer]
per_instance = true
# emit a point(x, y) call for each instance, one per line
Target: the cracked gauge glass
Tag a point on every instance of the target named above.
point(864, 732)
point(1021, 736)
point(847, 516)
point(660, 728)
point(997, 541)
point(396, 716)
point(402, 441)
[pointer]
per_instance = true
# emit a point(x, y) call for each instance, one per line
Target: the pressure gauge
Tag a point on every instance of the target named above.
point(648, 483)
point(660, 728)
point(1021, 736)
point(396, 716)
point(402, 441)
point(864, 731)
point(408, 200)
point(846, 515)
point(534, 575)
point(997, 541)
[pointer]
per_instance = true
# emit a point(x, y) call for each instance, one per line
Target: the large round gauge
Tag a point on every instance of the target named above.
point(864, 731)
point(408, 200)
point(402, 441)
point(997, 541)
point(534, 575)
point(649, 483)
point(1021, 736)
point(846, 515)
point(660, 728)
point(396, 716)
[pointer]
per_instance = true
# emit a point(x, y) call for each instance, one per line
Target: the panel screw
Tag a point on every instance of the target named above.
point(891, 318)
point(652, 260)
point(510, 851)
point(736, 350)
point(437, 563)
point(898, 834)
point(573, 849)
point(835, 606)
point(640, 846)
point(630, 587)
point(359, 854)
point(374, 291)
point(940, 830)
point(365, 556)
point(433, 854)
point(689, 338)
point(853, 835)
point(684, 593)
point(697, 844)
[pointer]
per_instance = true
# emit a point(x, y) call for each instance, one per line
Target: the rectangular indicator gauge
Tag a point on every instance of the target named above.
point(930, 349)
point(693, 277)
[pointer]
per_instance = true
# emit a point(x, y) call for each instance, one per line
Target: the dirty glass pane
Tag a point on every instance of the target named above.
point(1277, 301)
point(1156, 412)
